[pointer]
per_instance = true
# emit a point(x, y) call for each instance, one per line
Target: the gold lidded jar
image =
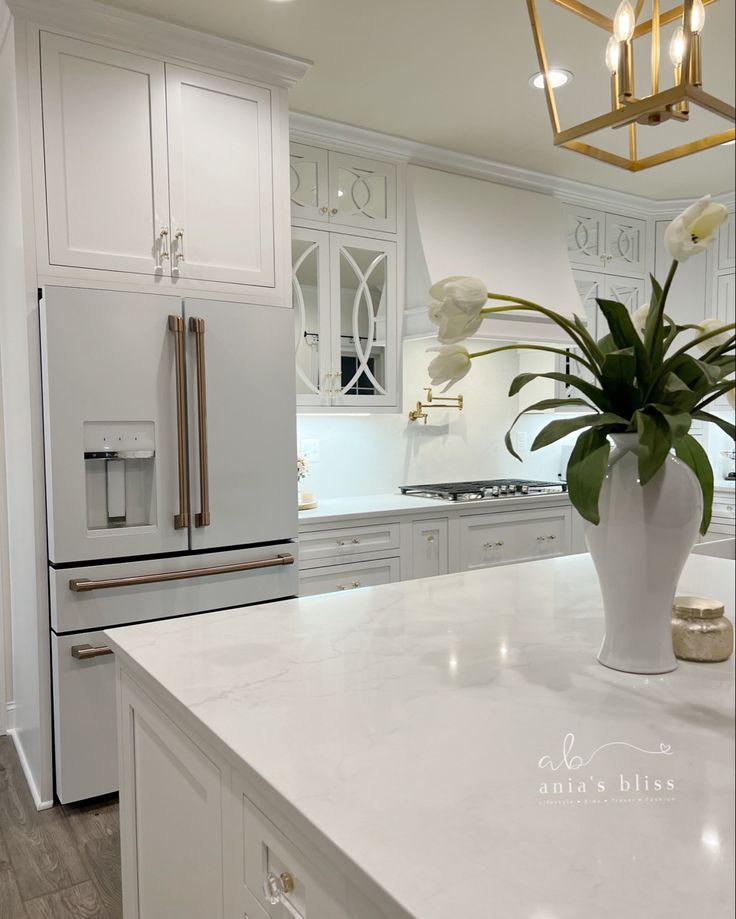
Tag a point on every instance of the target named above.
point(700, 630)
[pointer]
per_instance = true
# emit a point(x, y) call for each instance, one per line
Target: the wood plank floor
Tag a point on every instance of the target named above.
point(62, 863)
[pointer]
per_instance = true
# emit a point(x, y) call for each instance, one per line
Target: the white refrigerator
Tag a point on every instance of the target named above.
point(169, 430)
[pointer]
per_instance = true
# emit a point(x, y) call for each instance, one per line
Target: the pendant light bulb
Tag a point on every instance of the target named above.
point(624, 22)
point(613, 55)
point(697, 17)
point(677, 46)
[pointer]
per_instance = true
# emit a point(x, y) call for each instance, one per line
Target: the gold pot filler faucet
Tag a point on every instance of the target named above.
point(445, 402)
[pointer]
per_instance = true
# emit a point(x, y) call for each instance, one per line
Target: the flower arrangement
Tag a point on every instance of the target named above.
point(302, 467)
point(638, 378)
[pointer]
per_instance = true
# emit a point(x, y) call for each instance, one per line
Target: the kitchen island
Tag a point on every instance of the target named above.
point(445, 748)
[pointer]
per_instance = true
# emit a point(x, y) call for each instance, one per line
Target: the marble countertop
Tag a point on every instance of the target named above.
point(333, 509)
point(458, 745)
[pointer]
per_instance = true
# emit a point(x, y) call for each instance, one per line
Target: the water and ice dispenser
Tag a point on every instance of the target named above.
point(119, 462)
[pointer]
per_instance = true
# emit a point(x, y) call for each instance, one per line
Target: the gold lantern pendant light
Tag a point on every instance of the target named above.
point(656, 108)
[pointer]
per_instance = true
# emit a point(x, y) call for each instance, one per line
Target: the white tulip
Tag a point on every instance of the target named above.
point(639, 319)
point(450, 365)
point(694, 230)
point(453, 325)
point(713, 325)
point(467, 295)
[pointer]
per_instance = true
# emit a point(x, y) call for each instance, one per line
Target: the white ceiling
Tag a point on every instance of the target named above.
point(455, 75)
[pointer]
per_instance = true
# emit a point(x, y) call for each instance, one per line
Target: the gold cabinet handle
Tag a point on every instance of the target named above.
point(181, 520)
point(88, 652)
point(83, 585)
point(179, 255)
point(202, 519)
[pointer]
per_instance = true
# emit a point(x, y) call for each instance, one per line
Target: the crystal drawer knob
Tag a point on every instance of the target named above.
point(275, 886)
point(430, 538)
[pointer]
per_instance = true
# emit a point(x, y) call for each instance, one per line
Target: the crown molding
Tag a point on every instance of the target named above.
point(311, 129)
point(164, 39)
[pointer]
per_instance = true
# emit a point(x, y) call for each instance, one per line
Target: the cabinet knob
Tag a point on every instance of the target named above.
point(333, 211)
point(430, 537)
point(275, 886)
point(324, 210)
point(541, 539)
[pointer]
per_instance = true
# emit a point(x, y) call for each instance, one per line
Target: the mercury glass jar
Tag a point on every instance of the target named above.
point(700, 631)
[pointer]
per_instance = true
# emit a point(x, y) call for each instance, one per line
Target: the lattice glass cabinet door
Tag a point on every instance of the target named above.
point(363, 316)
point(311, 297)
point(308, 182)
point(585, 237)
point(362, 192)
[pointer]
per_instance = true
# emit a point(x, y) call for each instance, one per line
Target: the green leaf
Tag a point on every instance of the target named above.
point(724, 425)
point(618, 378)
point(594, 393)
point(626, 336)
point(655, 442)
point(679, 422)
point(556, 430)
point(539, 407)
point(586, 470)
point(694, 456)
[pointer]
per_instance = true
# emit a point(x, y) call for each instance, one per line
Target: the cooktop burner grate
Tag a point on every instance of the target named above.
point(487, 488)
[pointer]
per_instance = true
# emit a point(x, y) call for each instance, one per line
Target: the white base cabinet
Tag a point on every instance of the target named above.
point(199, 842)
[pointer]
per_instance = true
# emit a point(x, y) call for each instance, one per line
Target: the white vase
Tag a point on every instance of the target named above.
point(639, 549)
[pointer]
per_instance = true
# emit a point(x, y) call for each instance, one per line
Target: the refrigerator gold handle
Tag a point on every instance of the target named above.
point(176, 326)
point(83, 585)
point(202, 519)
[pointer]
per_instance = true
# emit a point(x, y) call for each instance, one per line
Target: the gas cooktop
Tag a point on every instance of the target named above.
point(489, 488)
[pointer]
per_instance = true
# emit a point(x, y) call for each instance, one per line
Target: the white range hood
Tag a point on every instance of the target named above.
point(513, 240)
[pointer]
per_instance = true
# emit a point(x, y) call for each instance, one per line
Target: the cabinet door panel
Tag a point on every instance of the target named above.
point(308, 183)
point(363, 320)
point(625, 250)
point(429, 548)
point(495, 539)
point(585, 237)
point(310, 285)
point(629, 291)
point(727, 244)
point(362, 192)
point(590, 286)
point(726, 294)
point(104, 120)
point(250, 424)
point(220, 178)
point(349, 576)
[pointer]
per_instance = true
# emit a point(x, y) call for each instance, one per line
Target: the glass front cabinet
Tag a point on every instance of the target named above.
point(345, 332)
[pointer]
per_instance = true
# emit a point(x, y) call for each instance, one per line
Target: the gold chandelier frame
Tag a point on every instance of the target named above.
point(660, 103)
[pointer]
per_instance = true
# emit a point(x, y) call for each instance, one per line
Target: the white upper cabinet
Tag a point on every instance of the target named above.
point(611, 243)
point(342, 189)
point(726, 297)
point(153, 169)
point(345, 315)
point(308, 183)
point(104, 118)
point(629, 291)
point(220, 178)
point(590, 287)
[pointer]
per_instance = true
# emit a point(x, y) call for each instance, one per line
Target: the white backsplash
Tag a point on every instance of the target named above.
point(375, 454)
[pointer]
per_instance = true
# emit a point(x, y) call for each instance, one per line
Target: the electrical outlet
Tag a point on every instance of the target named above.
point(309, 448)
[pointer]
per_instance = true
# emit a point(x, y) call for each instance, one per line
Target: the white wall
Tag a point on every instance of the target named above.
point(375, 454)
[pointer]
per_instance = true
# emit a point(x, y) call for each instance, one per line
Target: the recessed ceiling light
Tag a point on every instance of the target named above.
point(556, 78)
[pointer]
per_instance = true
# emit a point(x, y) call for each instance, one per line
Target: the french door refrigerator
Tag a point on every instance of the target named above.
point(169, 428)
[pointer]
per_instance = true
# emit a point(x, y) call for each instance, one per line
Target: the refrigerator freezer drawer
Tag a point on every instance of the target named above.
point(101, 596)
point(85, 723)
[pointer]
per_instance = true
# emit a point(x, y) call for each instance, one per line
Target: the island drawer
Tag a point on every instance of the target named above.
point(487, 540)
point(350, 576)
point(346, 541)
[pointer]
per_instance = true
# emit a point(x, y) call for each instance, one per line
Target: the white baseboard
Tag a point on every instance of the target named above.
point(40, 804)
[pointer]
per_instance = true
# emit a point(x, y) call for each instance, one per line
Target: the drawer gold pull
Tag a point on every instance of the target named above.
point(348, 586)
point(87, 652)
point(353, 541)
point(493, 545)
